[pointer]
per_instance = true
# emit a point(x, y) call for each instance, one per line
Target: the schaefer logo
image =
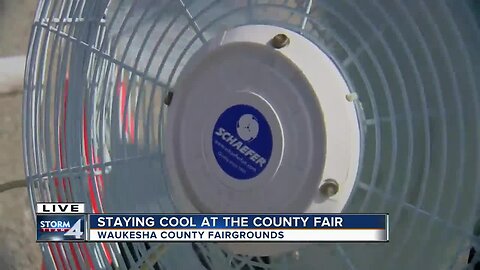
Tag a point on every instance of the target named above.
point(242, 142)
point(241, 147)
point(60, 228)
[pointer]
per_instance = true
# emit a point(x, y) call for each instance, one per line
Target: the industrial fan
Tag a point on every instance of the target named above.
point(326, 106)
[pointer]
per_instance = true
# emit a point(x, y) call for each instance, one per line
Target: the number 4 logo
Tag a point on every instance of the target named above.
point(75, 230)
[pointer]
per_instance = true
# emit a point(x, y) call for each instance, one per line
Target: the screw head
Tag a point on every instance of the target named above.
point(296, 255)
point(351, 97)
point(329, 188)
point(168, 98)
point(279, 41)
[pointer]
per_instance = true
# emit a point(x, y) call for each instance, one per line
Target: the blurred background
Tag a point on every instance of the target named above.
point(18, 249)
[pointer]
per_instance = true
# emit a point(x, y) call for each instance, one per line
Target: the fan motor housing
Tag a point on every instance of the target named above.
point(259, 128)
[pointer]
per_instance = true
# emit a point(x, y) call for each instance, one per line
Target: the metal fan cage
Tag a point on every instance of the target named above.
point(98, 72)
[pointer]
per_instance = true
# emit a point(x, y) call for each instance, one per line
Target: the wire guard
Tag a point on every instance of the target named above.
point(98, 73)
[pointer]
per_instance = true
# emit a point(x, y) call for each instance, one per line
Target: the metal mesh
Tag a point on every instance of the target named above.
point(97, 74)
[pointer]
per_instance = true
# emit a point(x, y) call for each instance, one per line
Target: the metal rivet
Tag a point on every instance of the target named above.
point(329, 188)
point(351, 97)
point(279, 41)
point(296, 255)
point(168, 98)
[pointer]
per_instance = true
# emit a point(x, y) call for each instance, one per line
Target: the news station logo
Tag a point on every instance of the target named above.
point(59, 222)
point(60, 228)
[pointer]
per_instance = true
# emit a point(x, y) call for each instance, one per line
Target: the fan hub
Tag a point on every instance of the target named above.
point(255, 128)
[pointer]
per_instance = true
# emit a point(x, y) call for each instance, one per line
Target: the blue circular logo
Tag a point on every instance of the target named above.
point(242, 142)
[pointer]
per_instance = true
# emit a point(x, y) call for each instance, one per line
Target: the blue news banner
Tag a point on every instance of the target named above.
point(216, 228)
